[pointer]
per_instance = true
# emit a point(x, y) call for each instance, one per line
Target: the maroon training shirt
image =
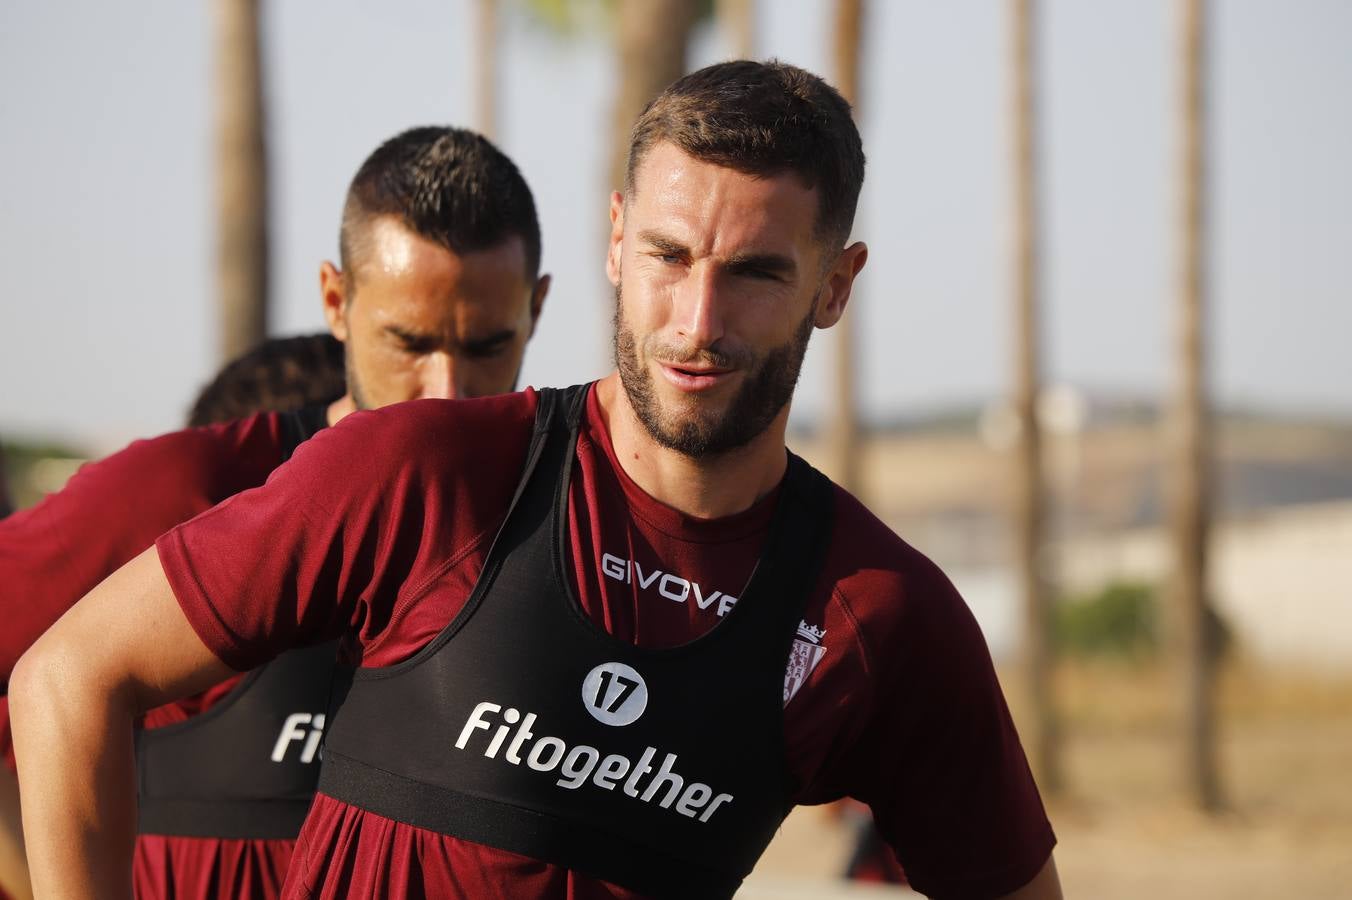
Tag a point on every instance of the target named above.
point(381, 525)
point(56, 552)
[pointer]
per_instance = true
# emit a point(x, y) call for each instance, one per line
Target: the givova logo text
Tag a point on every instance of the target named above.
point(667, 584)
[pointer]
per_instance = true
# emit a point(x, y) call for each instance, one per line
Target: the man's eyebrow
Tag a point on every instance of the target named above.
point(660, 241)
point(773, 263)
point(487, 342)
point(411, 337)
point(490, 341)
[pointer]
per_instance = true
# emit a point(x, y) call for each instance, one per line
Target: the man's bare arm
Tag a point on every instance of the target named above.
point(1046, 885)
point(123, 649)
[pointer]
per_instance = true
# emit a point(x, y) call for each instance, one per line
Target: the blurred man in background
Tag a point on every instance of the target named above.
point(279, 375)
point(298, 376)
point(569, 638)
point(437, 295)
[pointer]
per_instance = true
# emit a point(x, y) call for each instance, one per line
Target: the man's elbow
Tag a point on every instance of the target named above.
point(33, 679)
point(54, 680)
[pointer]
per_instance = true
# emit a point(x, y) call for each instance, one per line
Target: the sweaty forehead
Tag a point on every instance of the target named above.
point(719, 209)
point(422, 287)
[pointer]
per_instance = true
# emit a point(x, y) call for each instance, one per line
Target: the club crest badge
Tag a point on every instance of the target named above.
point(807, 651)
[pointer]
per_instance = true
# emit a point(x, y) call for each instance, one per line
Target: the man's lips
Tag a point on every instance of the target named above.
point(695, 378)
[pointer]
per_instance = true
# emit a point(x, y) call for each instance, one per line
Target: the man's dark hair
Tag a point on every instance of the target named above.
point(447, 185)
point(762, 119)
point(278, 375)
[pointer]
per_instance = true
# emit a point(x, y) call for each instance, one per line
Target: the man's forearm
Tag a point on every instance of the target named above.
point(121, 650)
point(73, 740)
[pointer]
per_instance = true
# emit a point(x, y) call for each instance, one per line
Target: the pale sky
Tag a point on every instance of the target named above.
point(106, 219)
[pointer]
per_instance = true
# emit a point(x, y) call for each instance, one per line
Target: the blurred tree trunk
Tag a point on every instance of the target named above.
point(242, 182)
point(843, 421)
point(486, 68)
point(737, 24)
point(1041, 730)
point(651, 39)
point(1189, 427)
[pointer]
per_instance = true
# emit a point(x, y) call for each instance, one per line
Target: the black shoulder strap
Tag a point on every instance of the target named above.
point(555, 409)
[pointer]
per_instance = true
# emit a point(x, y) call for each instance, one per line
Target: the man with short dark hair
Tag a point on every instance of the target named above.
point(568, 641)
point(279, 374)
point(437, 296)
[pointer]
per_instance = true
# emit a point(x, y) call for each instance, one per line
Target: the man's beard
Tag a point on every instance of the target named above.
point(698, 433)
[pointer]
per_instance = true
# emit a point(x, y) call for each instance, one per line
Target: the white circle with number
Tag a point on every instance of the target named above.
point(614, 694)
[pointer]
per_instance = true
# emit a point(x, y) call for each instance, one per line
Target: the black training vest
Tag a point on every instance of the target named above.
point(526, 727)
point(247, 767)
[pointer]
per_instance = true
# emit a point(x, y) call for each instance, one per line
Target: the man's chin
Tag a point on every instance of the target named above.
point(679, 406)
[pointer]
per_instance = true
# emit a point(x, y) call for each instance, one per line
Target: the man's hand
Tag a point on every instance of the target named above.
point(123, 649)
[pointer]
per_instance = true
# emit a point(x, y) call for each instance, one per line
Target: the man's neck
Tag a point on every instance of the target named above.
point(709, 488)
point(341, 407)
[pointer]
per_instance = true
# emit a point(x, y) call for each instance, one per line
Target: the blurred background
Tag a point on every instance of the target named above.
point(1097, 366)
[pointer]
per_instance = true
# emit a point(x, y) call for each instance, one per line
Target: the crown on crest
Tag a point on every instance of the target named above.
point(811, 632)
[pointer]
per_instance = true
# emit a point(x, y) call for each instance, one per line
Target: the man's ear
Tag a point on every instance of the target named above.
point(838, 283)
point(616, 245)
point(333, 293)
point(537, 301)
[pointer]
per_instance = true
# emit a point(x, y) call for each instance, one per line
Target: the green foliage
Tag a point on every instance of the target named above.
point(1120, 620)
point(21, 459)
point(1123, 620)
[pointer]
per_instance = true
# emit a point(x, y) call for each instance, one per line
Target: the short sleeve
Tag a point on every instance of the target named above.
point(939, 761)
point(56, 552)
point(336, 536)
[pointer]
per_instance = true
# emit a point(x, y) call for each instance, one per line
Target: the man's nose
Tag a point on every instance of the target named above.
point(699, 307)
point(437, 378)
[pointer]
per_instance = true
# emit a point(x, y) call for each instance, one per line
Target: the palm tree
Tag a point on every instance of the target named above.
point(242, 184)
point(843, 424)
point(1029, 507)
point(651, 39)
point(737, 21)
point(486, 68)
point(1189, 436)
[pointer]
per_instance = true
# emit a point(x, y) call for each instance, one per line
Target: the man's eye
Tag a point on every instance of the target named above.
point(487, 352)
point(416, 347)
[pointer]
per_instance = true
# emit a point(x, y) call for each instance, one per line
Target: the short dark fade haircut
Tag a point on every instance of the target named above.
point(447, 185)
point(278, 375)
point(764, 119)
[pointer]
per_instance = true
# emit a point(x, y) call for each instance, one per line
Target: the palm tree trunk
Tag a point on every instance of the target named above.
point(486, 68)
point(1042, 729)
point(737, 22)
point(1189, 428)
point(843, 422)
point(651, 39)
point(242, 184)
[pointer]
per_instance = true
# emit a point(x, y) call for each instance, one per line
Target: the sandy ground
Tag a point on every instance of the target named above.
point(1125, 827)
